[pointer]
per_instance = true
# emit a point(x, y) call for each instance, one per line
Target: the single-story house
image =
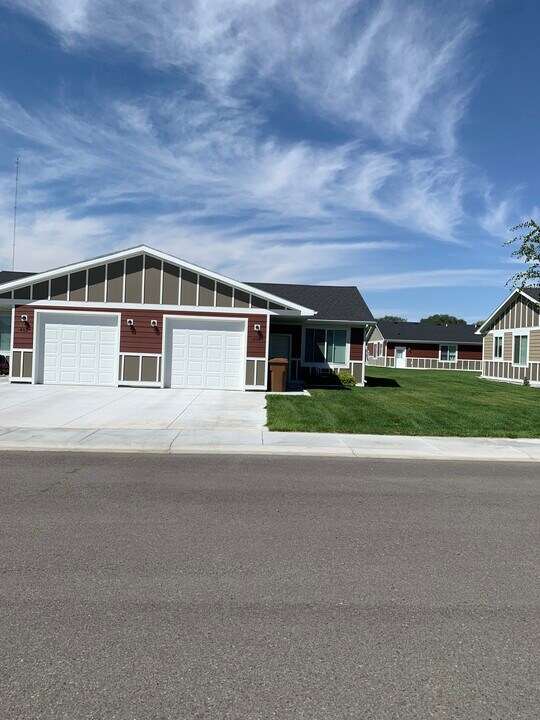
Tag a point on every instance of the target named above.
point(425, 346)
point(511, 337)
point(143, 317)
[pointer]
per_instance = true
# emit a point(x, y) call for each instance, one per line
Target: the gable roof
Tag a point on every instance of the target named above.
point(10, 275)
point(13, 284)
point(428, 332)
point(330, 302)
point(530, 293)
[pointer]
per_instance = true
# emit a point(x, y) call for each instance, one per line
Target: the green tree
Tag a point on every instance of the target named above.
point(528, 252)
point(392, 318)
point(444, 319)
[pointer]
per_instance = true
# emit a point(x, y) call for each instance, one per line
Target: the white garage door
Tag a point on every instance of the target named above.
point(206, 354)
point(78, 350)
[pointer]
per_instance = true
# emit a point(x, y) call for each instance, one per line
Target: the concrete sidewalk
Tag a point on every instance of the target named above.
point(263, 442)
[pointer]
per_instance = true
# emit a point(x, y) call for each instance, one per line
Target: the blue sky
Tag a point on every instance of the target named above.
point(389, 145)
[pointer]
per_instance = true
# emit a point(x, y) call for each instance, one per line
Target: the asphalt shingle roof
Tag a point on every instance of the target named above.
point(533, 292)
point(330, 302)
point(8, 276)
point(435, 332)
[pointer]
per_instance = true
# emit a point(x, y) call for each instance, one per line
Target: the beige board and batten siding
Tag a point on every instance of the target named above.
point(141, 279)
point(520, 313)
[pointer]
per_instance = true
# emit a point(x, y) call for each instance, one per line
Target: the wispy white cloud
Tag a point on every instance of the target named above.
point(202, 172)
point(465, 278)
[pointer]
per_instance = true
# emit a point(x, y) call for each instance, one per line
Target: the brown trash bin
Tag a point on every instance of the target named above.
point(278, 374)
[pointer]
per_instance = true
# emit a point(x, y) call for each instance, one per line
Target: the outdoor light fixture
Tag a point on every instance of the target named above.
point(153, 323)
point(130, 322)
point(257, 328)
point(24, 318)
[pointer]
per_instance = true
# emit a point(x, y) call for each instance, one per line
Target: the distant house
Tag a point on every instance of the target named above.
point(425, 346)
point(511, 338)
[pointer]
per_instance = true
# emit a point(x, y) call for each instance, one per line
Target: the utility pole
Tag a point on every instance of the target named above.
point(15, 212)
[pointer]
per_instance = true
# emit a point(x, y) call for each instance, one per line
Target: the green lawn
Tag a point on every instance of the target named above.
point(413, 402)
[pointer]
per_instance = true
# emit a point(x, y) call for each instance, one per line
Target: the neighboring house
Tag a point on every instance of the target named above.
point(142, 317)
point(511, 337)
point(425, 346)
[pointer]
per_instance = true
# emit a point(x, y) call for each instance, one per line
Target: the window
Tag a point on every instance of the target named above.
point(325, 346)
point(521, 349)
point(5, 329)
point(449, 353)
point(497, 347)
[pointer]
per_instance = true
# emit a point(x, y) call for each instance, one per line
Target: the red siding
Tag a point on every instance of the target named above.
point(144, 339)
point(357, 344)
point(431, 350)
point(470, 352)
point(23, 335)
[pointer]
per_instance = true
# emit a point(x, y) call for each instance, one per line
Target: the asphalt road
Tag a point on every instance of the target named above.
point(219, 587)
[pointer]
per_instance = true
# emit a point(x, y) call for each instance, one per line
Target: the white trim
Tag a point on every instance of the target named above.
point(520, 332)
point(145, 249)
point(85, 313)
point(161, 282)
point(510, 297)
point(143, 279)
point(166, 318)
point(497, 334)
point(212, 312)
point(448, 345)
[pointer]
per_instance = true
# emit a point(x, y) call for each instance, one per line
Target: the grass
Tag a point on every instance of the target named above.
point(413, 402)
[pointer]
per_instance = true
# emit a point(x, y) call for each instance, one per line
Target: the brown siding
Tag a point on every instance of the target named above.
point(40, 291)
point(488, 347)
point(258, 302)
point(16, 357)
point(250, 372)
point(224, 295)
point(259, 376)
point(115, 281)
point(152, 281)
point(206, 291)
point(357, 344)
point(24, 293)
point(134, 277)
point(131, 368)
point(77, 286)
point(27, 365)
point(149, 369)
point(59, 288)
point(171, 282)
point(241, 298)
point(96, 284)
point(189, 288)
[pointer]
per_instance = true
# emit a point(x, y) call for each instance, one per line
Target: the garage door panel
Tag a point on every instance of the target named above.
point(205, 353)
point(78, 349)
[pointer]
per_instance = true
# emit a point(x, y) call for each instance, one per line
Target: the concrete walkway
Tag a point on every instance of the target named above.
point(263, 442)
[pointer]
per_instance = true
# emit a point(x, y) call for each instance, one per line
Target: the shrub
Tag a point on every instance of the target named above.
point(526, 382)
point(346, 379)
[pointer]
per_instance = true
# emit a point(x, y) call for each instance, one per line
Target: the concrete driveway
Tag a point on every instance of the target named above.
point(54, 406)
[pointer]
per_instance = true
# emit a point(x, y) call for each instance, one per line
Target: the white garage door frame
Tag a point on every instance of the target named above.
point(40, 318)
point(167, 338)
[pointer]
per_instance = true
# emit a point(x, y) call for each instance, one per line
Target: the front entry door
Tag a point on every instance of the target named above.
point(401, 357)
